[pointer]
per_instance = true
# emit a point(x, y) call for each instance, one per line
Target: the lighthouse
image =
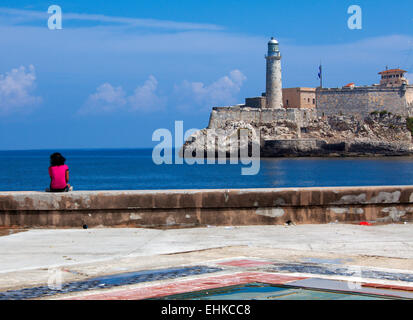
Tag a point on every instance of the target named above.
point(273, 90)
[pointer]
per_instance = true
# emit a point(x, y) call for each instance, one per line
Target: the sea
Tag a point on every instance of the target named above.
point(134, 169)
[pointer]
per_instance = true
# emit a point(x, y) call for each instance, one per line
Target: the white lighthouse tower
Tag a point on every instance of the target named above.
point(273, 90)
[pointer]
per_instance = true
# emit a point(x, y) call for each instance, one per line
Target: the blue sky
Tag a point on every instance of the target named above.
point(119, 70)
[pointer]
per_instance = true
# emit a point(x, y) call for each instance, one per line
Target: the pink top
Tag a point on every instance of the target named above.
point(58, 175)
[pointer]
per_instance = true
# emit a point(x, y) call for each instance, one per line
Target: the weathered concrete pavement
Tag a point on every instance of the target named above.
point(27, 256)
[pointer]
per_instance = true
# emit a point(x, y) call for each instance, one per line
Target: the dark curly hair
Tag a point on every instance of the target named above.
point(56, 159)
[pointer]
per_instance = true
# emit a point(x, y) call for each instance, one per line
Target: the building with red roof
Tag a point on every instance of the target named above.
point(393, 78)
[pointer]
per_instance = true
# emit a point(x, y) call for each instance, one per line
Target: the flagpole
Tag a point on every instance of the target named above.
point(321, 76)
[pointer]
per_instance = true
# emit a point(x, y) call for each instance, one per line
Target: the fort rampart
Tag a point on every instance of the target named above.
point(220, 115)
point(364, 100)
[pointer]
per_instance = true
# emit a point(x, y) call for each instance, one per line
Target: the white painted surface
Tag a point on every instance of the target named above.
point(44, 248)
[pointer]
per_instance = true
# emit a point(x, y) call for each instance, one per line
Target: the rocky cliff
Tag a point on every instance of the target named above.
point(376, 134)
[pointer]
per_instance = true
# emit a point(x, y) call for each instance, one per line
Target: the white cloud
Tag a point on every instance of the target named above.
point(108, 99)
point(145, 97)
point(15, 90)
point(221, 92)
point(18, 16)
point(357, 61)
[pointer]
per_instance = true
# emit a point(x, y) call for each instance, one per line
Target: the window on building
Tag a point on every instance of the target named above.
point(287, 102)
point(313, 101)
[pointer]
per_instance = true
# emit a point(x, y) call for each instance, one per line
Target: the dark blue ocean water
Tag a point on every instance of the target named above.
point(128, 169)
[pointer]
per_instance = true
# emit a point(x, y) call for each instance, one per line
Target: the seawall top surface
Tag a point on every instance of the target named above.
point(205, 198)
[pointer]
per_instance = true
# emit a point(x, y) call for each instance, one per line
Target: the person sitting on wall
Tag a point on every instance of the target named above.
point(59, 174)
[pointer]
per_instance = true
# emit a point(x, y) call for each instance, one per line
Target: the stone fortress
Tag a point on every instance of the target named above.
point(348, 121)
point(393, 94)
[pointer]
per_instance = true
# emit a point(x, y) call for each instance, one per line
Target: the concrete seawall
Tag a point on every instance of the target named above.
point(191, 208)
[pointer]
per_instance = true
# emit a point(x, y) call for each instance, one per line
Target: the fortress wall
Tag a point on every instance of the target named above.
point(409, 100)
point(220, 115)
point(192, 208)
point(394, 101)
point(363, 100)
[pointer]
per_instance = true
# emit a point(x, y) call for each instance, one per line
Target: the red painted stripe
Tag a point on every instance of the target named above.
point(190, 286)
point(386, 286)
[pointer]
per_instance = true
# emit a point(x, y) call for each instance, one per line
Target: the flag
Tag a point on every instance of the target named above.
point(319, 72)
